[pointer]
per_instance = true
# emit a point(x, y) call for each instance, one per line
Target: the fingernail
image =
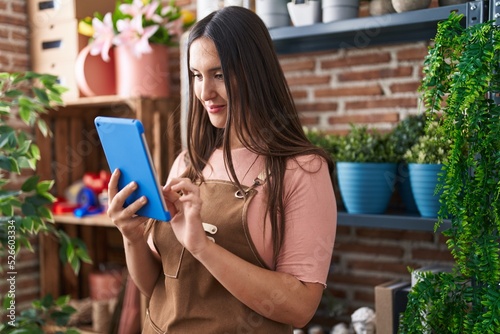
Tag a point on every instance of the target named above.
point(133, 185)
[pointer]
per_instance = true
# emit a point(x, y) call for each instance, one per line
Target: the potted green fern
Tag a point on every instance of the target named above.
point(25, 208)
point(460, 75)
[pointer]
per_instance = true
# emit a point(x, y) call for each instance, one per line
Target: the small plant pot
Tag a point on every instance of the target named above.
point(274, 13)
point(306, 13)
point(409, 5)
point(424, 179)
point(366, 188)
point(403, 186)
point(380, 7)
point(334, 10)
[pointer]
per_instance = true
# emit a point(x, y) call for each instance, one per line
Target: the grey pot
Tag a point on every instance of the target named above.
point(334, 10)
point(408, 5)
point(274, 13)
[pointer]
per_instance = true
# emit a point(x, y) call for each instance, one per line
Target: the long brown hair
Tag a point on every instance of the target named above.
point(260, 107)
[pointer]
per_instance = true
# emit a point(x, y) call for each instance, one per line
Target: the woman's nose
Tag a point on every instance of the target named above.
point(207, 90)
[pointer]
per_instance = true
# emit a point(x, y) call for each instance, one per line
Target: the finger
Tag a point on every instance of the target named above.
point(120, 197)
point(113, 184)
point(131, 209)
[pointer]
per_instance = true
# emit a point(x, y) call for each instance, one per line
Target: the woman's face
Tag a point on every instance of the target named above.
point(208, 80)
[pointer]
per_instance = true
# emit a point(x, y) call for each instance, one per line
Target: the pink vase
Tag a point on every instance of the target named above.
point(94, 76)
point(146, 76)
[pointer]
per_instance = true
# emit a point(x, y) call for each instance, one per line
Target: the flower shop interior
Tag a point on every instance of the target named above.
point(360, 72)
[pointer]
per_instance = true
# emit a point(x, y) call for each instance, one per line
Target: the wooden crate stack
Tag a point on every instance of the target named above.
point(55, 41)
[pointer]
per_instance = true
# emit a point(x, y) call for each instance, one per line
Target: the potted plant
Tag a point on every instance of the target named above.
point(425, 163)
point(406, 133)
point(25, 206)
point(460, 81)
point(366, 170)
point(140, 33)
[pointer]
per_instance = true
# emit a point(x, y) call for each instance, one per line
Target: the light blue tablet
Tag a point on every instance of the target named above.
point(125, 148)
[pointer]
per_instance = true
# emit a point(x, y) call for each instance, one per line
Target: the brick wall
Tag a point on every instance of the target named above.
point(375, 86)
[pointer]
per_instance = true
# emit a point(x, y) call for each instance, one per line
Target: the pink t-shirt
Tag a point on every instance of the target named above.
point(310, 211)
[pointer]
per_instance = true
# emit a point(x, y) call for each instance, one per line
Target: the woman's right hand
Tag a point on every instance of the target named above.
point(130, 225)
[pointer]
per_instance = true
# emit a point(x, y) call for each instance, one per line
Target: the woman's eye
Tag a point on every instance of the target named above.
point(219, 76)
point(196, 76)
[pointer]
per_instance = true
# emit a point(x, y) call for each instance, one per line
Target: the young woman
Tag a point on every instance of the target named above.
point(249, 246)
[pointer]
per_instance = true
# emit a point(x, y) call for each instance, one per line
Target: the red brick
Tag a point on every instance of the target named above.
point(406, 87)
point(309, 120)
point(395, 235)
point(403, 102)
point(298, 65)
point(318, 106)
point(353, 60)
point(349, 91)
point(308, 80)
point(353, 247)
point(357, 280)
point(380, 266)
point(299, 94)
point(431, 254)
point(412, 54)
point(399, 72)
point(364, 118)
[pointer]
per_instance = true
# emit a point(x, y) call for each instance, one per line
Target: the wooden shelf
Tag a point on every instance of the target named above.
point(93, 220)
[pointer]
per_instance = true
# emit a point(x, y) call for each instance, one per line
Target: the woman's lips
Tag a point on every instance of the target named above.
point(213, 109)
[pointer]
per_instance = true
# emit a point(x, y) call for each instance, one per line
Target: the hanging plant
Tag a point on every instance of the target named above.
point(460, 74)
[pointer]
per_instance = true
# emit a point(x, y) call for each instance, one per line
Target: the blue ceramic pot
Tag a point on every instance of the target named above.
point(403, 186)
point(424, 179)
point(366, 188)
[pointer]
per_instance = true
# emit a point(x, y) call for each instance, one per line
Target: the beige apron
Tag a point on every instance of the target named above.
point(187, 298)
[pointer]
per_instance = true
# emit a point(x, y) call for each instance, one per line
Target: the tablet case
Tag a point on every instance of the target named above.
point(125, 148)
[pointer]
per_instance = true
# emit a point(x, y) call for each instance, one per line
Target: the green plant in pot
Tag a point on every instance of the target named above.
point(25, 200)
point(406, 133)
point(366, 170)
point(460, 77)
point(425, 164)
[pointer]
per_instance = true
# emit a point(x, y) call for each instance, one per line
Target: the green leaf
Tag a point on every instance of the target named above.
point(44, 186)
point(30, 184)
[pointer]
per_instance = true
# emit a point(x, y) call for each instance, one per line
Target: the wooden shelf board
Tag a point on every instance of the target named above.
point(94, 220)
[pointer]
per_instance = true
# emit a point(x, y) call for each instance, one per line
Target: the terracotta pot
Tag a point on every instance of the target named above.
point(408, 5)
point(146, 76)
point(93, 75)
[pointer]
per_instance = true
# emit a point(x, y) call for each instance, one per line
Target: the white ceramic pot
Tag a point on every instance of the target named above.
point(274, 13)
point(409, 5)
point(305, 13)
point(334, 10)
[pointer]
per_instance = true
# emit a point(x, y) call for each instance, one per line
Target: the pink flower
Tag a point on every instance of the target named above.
point(134, 35)
point(103, 37)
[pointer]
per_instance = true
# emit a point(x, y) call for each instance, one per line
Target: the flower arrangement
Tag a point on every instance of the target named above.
point(135, 24)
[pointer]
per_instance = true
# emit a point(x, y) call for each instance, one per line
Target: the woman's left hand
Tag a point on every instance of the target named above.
point(184, 203)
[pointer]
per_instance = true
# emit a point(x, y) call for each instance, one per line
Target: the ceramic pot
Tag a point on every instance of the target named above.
point(274, 13)
point(408, 5)
point(424, 179)
point(451, 2)
point(366, 188)
point(94, 76)
point(334, 10)
point(380, 7)
point(305, 13)
point(146, 76)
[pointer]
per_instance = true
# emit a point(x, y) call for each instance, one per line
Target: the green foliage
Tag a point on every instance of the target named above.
point(328, 142)
point(364, 145)
point(44, 313)
point(432, 147)
point(460, 75)
point(406, 134)
point(24, 208)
